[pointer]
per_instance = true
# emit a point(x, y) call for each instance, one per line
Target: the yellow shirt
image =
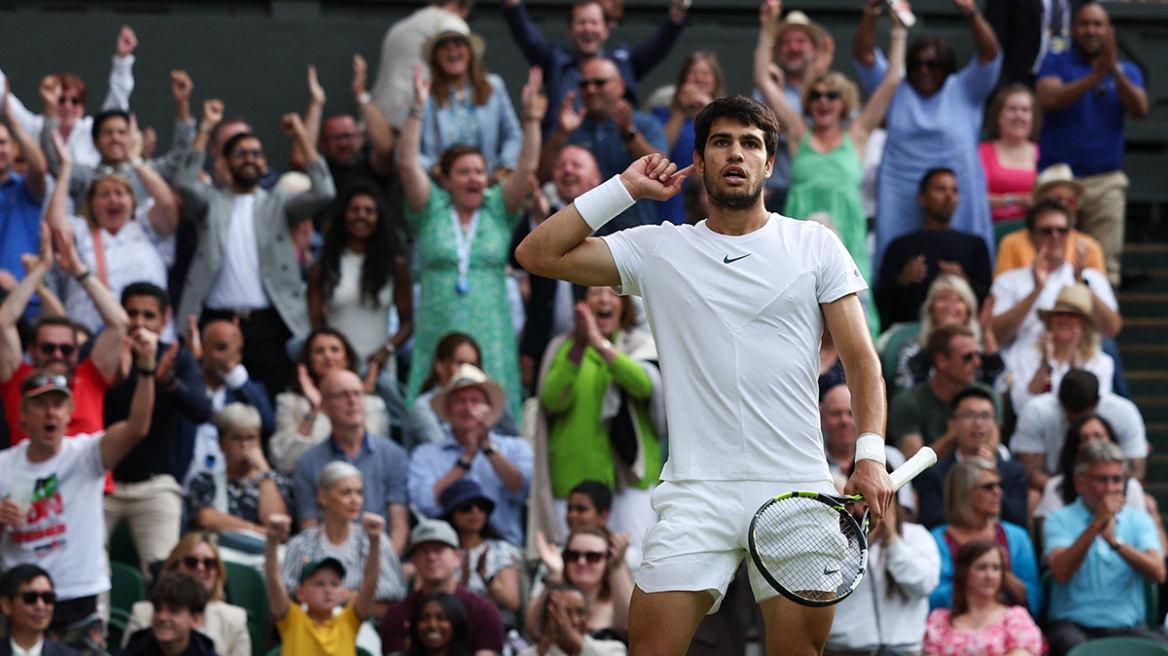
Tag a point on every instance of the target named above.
point(335, 637)
point(1016, 251)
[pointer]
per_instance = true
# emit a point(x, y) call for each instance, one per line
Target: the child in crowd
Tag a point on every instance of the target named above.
point(320, 629)
point(179, 601)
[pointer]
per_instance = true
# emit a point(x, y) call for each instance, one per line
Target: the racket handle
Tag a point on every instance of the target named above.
point(912, 468)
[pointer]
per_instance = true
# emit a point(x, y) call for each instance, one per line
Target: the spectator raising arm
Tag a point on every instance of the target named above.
point(297, 156)
point(377, 130)
point(17, 300)
point(34, 157)
point(415, 180)
point(164, 215)
point(123, 436)
point(522, 180)
point(279, 526)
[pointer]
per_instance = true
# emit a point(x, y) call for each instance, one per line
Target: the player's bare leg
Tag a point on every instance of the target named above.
point(794, 630)
point(663, 623)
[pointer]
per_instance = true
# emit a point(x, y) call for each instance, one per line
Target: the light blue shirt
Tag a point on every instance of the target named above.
point(1105, 592)
point(381, 461)
point(430, 462)
point(927, 132)
point(499, 133)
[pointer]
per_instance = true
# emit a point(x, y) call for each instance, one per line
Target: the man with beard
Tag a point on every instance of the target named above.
point(245, 264)
point(722, 298)
point(1085, 93)
point(611, 129)
point(913, 261)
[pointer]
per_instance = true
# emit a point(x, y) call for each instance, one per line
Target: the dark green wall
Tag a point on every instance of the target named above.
point(252, 54)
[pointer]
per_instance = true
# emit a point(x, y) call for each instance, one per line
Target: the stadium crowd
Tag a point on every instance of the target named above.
point(329, 375)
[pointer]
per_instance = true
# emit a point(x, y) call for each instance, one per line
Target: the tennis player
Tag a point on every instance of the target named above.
point(738, 304)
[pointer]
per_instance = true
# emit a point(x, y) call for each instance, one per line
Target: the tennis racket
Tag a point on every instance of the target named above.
point(810, 547)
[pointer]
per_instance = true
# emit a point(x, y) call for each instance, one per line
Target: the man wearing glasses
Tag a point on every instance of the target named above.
point(54, 346)
point(27, 600)
point(919, 416)
point(1020, 293)
point(974, 426)
point(51, 513)
point(608, 127)
point(1101, 553)
point(245, 266)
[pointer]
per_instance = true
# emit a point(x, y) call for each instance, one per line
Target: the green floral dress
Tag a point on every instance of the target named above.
point(484, 312)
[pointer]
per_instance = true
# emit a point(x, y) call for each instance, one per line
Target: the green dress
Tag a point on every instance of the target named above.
point(484, 312)
point(830, 182)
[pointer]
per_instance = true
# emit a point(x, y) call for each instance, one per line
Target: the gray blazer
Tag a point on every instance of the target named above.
point(276, 212)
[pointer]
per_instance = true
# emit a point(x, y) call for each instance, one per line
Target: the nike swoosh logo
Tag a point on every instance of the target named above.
point(829, 572)
point(730, 260)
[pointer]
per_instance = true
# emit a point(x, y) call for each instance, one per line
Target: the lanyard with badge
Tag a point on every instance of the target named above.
point(1056, 26)
point(464, 241)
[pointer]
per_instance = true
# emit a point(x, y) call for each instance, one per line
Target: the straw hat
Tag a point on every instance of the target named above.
point(1073, 299)
point(469, 375)
point(1056, 174)
point(797, 20)
point(477, 44)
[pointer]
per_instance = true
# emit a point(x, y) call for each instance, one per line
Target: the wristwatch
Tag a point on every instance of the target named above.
point(630, 133)
point(1118, 543)
point(490, 449)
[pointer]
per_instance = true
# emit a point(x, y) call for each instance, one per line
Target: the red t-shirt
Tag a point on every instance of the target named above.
point(88, 387)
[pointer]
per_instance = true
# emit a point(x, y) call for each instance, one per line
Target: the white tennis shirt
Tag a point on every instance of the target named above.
point(738, 327)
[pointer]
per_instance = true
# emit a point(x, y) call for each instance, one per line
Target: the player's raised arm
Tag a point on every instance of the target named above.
point(561, 247)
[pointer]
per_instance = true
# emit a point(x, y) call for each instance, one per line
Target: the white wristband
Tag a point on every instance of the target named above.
point(365, 97)
point(600, 205)
point(870, 446)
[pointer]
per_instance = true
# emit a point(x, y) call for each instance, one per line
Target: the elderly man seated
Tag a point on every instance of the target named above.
point(471, 403)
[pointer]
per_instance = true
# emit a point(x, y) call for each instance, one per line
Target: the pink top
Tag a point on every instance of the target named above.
point(1013, 630)
point(1001, 180)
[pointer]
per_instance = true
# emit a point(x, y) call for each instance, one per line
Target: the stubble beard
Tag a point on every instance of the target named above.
point(732, 200)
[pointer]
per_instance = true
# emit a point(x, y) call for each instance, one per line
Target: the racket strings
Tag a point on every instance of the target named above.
point(810, 549)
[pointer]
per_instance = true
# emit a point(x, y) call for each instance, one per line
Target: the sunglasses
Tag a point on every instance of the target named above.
point(593, 557)
point(450, 41)
point(41, 380)
point(48, 349)
point(990, 487)
point(1048, 231)
point(467, 506)
point(70, 100)
point(30, 597)
point(834, 94)
point(931, 64)
point(599, 84)
point(968, 357)
point(193, 562)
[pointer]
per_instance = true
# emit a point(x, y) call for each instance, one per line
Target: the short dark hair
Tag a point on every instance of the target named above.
point(1079, 391)
point(143, 288)
point(19, 575)
point(234, 141)
point(454, 153)
point(746, 111)
point(1045, 206)
point(53, 320)
point(932, 173)
point(581, 3)
point(598, 493)
point(101, 118)
point(941, 338)
point(972, 392)
point(179, 590)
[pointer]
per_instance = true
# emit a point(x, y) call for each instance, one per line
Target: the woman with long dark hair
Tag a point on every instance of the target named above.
point(360, 274)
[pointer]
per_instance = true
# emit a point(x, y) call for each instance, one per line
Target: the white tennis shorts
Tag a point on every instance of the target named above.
point(703, 535)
